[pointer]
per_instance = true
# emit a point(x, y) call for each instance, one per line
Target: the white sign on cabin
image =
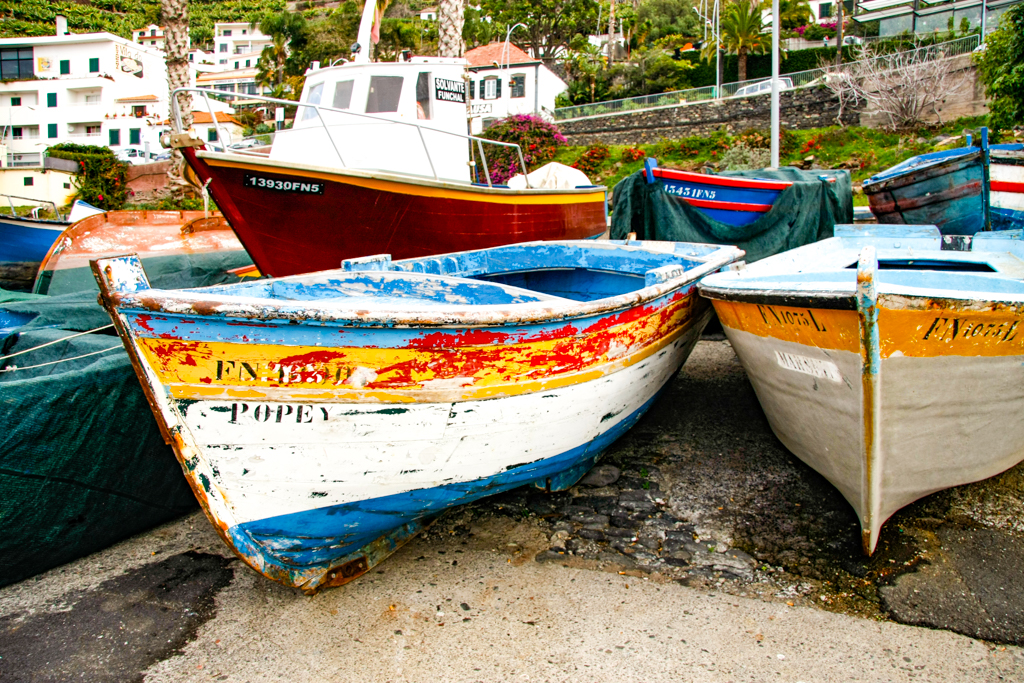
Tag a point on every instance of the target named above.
point(449, 90)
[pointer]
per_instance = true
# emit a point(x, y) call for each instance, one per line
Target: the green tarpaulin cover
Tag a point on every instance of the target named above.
point(82, 461)
point(805, 212)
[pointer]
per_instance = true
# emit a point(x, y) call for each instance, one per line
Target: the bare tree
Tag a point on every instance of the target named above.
point(175, 19)
point(450, 19)
point(903, 86)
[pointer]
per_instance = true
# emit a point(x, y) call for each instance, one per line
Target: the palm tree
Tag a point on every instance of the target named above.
point(450, 19)
point(270, 67)
point(741, 32)
point(175, 19)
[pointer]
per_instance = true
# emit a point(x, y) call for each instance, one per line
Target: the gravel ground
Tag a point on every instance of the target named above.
point(699, 550)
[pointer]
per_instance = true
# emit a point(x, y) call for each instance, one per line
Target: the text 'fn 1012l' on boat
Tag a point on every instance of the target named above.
point(324, 419)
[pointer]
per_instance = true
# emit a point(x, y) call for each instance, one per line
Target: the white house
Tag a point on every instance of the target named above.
point(233, 40)
point(428, 14)
point(505, 80)
point(88, 88)
point(150, 36)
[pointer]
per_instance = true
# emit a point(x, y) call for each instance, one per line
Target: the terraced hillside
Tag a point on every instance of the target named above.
point(37, 17)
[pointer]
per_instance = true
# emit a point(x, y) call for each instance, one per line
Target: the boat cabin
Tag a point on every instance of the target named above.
point(422, 99)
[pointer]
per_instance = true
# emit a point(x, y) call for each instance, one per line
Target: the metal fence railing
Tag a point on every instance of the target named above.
point(799, 79)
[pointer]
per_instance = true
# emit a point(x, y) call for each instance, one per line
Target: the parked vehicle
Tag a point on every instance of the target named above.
point(763, 87)
point(136, 156)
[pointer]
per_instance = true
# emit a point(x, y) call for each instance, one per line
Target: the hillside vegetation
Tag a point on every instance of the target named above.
point(38, 17)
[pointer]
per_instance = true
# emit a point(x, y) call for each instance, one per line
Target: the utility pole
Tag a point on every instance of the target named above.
point(775, 84)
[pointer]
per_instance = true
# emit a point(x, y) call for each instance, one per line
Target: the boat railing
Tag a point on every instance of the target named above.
point(797, 79)
point(479, 142)
point(35, 210)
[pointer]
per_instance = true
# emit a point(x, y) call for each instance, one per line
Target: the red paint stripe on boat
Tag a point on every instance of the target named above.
point(702, 179)
point(1007, 186)
point(727, 206)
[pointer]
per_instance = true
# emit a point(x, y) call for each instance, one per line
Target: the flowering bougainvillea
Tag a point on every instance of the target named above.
point(538, 139)
point(102, 179)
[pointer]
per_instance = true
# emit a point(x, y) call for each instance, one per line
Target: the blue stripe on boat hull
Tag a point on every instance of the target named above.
point(737, 218)
point(23, 241)
point(318, 537)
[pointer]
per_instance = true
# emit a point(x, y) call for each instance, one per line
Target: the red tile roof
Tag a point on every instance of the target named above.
point(488, 55)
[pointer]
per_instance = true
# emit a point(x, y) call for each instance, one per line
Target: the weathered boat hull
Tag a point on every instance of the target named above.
point(187, 242)
point(809, 382)
point(891, 395)
point(318, 448)
point(944, 189)
point(27, 239)
point(336, 214)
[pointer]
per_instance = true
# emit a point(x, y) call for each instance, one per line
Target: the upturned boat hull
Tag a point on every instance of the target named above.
point(319, 446)
point(298, 219)
point(891, 398)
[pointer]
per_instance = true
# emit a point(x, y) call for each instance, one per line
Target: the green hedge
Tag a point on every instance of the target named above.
point(102, 179)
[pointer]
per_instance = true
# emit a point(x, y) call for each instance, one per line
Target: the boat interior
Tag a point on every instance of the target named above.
point(515, 274)
point(910, 259)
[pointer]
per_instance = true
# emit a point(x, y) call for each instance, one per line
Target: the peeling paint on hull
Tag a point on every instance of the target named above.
point(318, 446)
point(922, 396)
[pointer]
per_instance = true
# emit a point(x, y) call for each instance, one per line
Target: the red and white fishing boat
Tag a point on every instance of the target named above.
point(378, 160)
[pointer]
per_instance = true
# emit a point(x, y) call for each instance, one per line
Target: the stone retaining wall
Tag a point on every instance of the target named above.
point(802, 108)
point(148, 177)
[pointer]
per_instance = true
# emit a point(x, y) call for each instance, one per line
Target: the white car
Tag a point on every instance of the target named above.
point(136, 156)
point(763, 86)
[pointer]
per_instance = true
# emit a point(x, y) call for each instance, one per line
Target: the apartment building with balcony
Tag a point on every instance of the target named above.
point(87, 88)
point(234, 42)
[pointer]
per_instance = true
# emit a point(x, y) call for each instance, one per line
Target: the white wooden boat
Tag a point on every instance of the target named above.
point(324, 419)
point(891, 367)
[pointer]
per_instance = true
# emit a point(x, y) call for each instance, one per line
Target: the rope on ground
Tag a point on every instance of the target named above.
point(56, 341)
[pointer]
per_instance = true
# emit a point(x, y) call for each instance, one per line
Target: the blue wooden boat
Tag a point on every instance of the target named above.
point(29, 238)
point(729, 200)
point(948, 189)
point(891, 366)
point(324, 419)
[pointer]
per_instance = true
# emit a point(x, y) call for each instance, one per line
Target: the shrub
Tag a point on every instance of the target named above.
point(538, 139)
point(741, 157)
point(102, 179)
point(632, 154)
point(591, 160)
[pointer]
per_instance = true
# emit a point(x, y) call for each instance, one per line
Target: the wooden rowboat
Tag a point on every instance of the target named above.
point(891, 367)
point(179, 245)
point(322, 420)
point(727, 199)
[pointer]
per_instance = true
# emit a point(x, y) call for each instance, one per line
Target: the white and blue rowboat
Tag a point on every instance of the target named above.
point(893, 368)
point(324, 419)
point(727, 199)
point(1006, 174)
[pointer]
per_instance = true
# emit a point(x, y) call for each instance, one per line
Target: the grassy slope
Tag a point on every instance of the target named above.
point(865, 151)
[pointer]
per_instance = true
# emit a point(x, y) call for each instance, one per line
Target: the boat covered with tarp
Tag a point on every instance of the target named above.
point(82, 461)
point(803, 207)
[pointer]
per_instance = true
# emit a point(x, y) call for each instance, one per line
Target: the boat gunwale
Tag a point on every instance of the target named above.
point(185, 302)
point(386, 176)
point(663, 173)
point(896, 177)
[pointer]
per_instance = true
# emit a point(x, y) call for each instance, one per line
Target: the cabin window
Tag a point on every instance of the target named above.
point(385, 92)
point(315, 92)
point(491, 88)
point(423, 95)
point(343, 94)
point(518, 85)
